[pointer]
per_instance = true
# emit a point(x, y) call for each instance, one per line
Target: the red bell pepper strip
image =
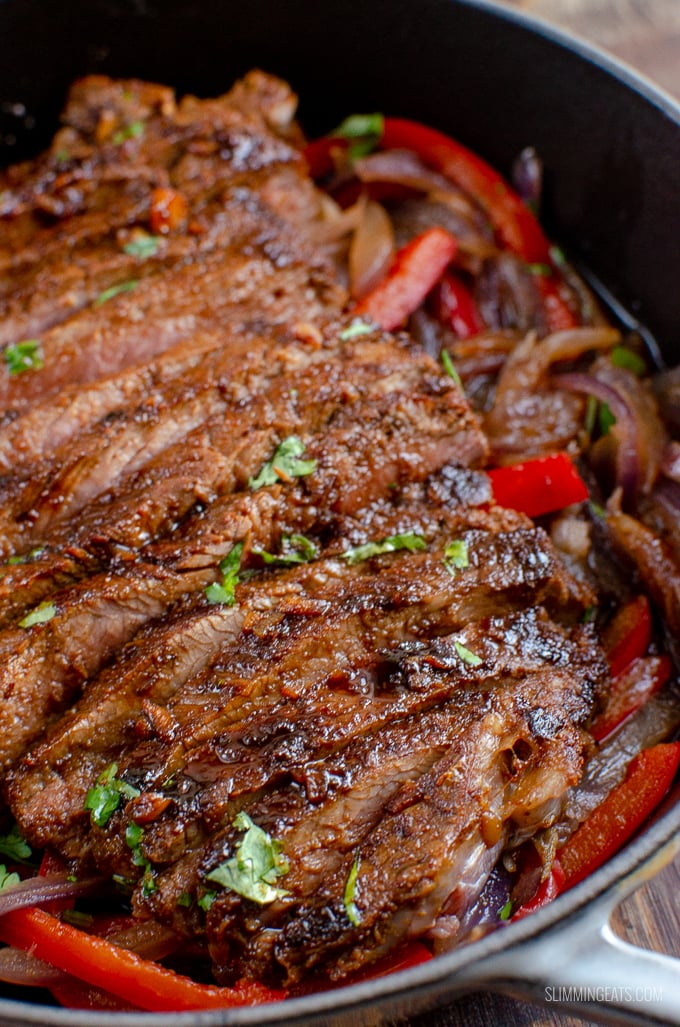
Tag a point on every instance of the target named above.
point(630, 689)
point(416, 270)
point(628, 635)
point(539, 486)
point(648, 778)
point(547, 890)
point(456, 308)
point(122, 972)
point(516, 226)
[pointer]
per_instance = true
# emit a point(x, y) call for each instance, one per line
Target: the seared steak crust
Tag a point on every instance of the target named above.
point(390, 714)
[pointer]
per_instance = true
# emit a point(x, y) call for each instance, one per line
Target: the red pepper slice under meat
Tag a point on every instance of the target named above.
point(630, 690)
point(628, 635)
point(417, 268)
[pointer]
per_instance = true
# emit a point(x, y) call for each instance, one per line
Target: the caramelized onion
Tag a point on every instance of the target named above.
point(18, 967)
point(402, 167)
point(371, 250)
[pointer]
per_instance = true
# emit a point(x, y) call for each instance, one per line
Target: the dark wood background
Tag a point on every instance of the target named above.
point(645, 34)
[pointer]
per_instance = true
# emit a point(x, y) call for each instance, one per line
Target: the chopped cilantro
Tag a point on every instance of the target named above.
point(24, 356)
point(557, 256)
point(256, 865)
point(355, 329)
point(148, 881)
point(540, 270)
point(606, 418)
point(629, 359)
point(591, 415)
point(410, 541)
point(115, 290)
point(467, 656)
point(26, 557)
point(142, 245)
point(206, 900)
point(450, 368)
point(14, 846)
point(285, 464)
point(506, 911)
point(184, 900)
point(38, 615)
point(225, 592)
point(104, 798)
point(589, 615)
point(456, 556)
point(8, 880)
point(365, 131)
point(61, 156)
point(133, 130)
point(294, 549)
point(350, 894)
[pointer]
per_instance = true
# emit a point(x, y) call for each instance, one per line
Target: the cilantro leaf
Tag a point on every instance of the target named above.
point(38, 615)
point(8, 880)
point(450, 368)
point(104, 798)
point(133, 130)
point(505, 912)
point(256, 865)
point(467, 656)
point(456, 556)
point(355, 329)
point(142, 245)
point(24, 356)
point(294, 549)
point(607, 419)
point(26, 557)
point(410, 541)
point(284, 465)
point(225, 592)
point(115, 290)
point(622, 357)
point(14, 846)
point(350, 894)
point(365, 131)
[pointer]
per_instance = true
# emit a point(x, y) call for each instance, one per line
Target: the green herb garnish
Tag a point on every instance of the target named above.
point(225, 591)
point(8, 880)
point(294, 549)
point(206, 900)
point(24, 356)
point(467, 656)
point(505, 912)
point(14, 846)
point(142, 245)
point(456, 556)
point(285, 464)
point(449, 368)
point(629, 359)
point(105, 797)
point(133, 130)
point(26, 557)
point(350, 894)
point(184, 900)
point(606, 418)
point(363, 130)
point(115, 290)
point(357, 328)
point(557, 256)
point(39, 615)
point(540, 270)
point(410, 541)
point(256, 865)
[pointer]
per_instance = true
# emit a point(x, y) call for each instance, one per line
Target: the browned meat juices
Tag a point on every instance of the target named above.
point(201, 462)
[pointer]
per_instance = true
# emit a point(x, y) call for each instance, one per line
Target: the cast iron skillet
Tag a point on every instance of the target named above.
point(498, 81)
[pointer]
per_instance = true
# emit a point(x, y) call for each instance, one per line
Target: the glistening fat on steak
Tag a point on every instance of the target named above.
point(359, 652)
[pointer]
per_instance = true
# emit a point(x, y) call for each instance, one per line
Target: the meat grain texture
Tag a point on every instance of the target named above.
point(391, 718)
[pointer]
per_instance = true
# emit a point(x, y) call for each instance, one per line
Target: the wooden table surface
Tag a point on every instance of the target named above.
point(645, 34)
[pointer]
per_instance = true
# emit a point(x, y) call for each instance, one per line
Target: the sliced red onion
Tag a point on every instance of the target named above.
point(628, 471)
point(402, 167)
point(18, 967)
point(527, 177)
point(39, 891)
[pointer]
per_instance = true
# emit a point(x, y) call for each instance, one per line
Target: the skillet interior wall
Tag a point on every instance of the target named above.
point(613, 193)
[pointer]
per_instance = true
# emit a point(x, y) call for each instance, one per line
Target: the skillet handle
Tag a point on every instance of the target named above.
point(583, 967)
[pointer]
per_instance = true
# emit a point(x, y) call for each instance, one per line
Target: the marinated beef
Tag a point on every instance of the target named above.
point(352, 649)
